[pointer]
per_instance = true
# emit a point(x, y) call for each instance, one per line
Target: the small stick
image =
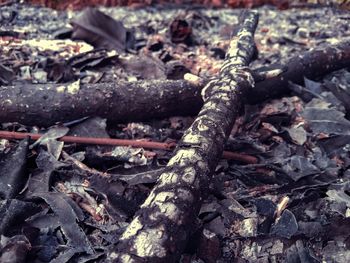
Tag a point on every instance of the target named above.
point(245, 158)
point(124, 142)
point(90, 140)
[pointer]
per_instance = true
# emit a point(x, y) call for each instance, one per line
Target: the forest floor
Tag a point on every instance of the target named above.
point(70, 202)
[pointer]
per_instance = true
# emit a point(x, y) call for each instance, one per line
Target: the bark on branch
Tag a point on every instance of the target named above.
point(44, 105)
point(160, 229)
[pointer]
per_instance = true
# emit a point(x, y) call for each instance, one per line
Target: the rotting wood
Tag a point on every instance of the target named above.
point(44, 105)
point(160, 229)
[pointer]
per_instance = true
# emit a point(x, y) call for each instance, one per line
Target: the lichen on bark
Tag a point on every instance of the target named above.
point(161, 227)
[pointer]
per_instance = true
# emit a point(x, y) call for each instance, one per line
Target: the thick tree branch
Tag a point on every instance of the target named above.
point(312, 65)
point(44, 105)
point(160, 229)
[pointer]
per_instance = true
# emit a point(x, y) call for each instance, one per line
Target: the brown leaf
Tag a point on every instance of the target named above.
point(101, 31)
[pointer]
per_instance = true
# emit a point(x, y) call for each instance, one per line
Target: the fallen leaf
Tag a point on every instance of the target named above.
point(102, 31)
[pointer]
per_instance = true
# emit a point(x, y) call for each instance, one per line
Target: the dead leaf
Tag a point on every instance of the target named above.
point(102, 31)
point(323, 119)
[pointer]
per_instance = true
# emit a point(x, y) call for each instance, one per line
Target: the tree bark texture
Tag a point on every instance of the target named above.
point(312, 65)
point(160, 229)
point(44, 105)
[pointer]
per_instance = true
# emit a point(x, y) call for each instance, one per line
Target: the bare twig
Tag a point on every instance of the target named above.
point(123, 142)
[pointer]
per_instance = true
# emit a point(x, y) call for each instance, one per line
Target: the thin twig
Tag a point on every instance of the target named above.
point(123, 142)
point(90, 140)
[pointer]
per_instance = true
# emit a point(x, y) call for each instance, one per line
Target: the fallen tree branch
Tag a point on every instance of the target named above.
point(47, 104)
point(44, 105)
point(312, 65)
point(123, 142)
point(160, 229)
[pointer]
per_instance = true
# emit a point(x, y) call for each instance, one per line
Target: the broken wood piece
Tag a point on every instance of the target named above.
point(45, 105)
point(245, 158)
point(160, 229)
